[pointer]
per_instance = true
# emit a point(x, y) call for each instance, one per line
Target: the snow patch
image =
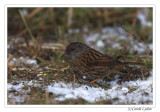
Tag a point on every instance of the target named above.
point(142, 16)
point(132, 92)
point(25, 60)
point(100, 43)
point(92, 94)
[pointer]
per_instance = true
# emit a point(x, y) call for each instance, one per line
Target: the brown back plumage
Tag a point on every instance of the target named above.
point(91, 63)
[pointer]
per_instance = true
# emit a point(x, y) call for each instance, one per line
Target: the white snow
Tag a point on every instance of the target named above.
point(92, 94)
point(122, 92)
point(71, 31)
point(113, 37)
point(25, 12)
point(15, 87)
point(150, 46)
point(142, 16)
point(92, 37)
point(100, 43)
point(26, 60)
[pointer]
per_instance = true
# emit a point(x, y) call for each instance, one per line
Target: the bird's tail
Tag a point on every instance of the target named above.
point(131, 63)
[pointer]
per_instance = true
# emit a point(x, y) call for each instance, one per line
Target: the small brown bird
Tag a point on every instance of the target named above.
point(88, 62)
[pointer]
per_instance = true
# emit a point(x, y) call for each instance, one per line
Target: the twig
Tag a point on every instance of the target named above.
point(105, 14)
point(34, 12)
point(70, 14)
point(25, 23)
point(18, 35)
point(137, 37)
point(120, 18)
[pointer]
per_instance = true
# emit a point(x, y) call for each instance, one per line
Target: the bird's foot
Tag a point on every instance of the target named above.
point(93, 81)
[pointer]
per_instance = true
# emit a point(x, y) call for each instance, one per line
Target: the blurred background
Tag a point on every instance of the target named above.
point(37, 38)
point(100, 28)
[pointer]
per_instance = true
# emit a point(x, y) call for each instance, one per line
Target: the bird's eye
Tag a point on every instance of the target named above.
point(72, 49)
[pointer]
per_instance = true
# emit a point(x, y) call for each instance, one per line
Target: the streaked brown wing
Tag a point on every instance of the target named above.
point(92, 72)
point(103, 61)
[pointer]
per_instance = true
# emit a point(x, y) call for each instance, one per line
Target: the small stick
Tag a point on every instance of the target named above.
point(138, 38)
point(93, 81)
point(18, 35)
point(25, 23)
point(70, 15)
point(33, 13)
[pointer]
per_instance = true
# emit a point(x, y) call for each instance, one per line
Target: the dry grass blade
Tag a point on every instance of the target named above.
point(65, 68)
point(18, 35)
point(70, 14)
point(137, 37)
point(26, 25)
point(34, 12)
point(53, 46)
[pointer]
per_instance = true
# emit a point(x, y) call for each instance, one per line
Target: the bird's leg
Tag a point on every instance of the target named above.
point(93, 81)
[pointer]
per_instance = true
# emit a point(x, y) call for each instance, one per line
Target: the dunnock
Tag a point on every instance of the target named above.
point(88, 62)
